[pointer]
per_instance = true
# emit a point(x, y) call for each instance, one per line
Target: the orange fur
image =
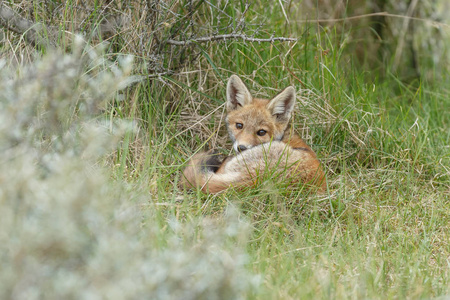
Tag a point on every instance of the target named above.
point(264, 142)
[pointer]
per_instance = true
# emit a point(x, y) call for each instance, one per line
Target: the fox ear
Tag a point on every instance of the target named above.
point(282, 104)
point(237, 93)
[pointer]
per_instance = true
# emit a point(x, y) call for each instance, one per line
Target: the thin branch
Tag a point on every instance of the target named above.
point(241, 24)
point(384, 14)
point(34, 33)
point(225, 37)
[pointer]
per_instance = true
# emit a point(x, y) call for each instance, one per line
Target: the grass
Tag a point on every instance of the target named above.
point(91, 206)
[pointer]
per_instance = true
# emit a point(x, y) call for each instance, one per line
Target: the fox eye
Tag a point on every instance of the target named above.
point(239, 125)
point(261, 132)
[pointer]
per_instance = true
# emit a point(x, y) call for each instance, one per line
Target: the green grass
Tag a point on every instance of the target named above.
point(379, 232)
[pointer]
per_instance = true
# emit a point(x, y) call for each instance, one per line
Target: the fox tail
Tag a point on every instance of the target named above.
point(201, 173)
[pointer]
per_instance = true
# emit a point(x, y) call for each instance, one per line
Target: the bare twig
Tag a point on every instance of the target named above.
point(384, 14)
point(34, 33)
point(241, 24)
point(231, 36)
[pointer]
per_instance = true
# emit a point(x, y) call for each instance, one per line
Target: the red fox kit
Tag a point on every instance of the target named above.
point(263, 141)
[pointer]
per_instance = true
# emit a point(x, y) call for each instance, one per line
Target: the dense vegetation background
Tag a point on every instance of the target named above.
point(102, 103)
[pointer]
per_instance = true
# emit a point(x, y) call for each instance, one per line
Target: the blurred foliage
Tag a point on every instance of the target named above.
point(67, 231)
point(408, 38)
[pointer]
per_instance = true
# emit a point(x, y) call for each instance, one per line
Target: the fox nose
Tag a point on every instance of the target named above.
point(241, 148)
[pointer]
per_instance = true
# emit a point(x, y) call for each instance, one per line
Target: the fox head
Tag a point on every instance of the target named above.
point(252, 121)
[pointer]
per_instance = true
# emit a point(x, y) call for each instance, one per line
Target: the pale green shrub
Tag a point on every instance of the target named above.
point(66, 229)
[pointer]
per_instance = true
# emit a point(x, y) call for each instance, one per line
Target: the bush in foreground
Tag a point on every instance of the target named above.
point(67, 230)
